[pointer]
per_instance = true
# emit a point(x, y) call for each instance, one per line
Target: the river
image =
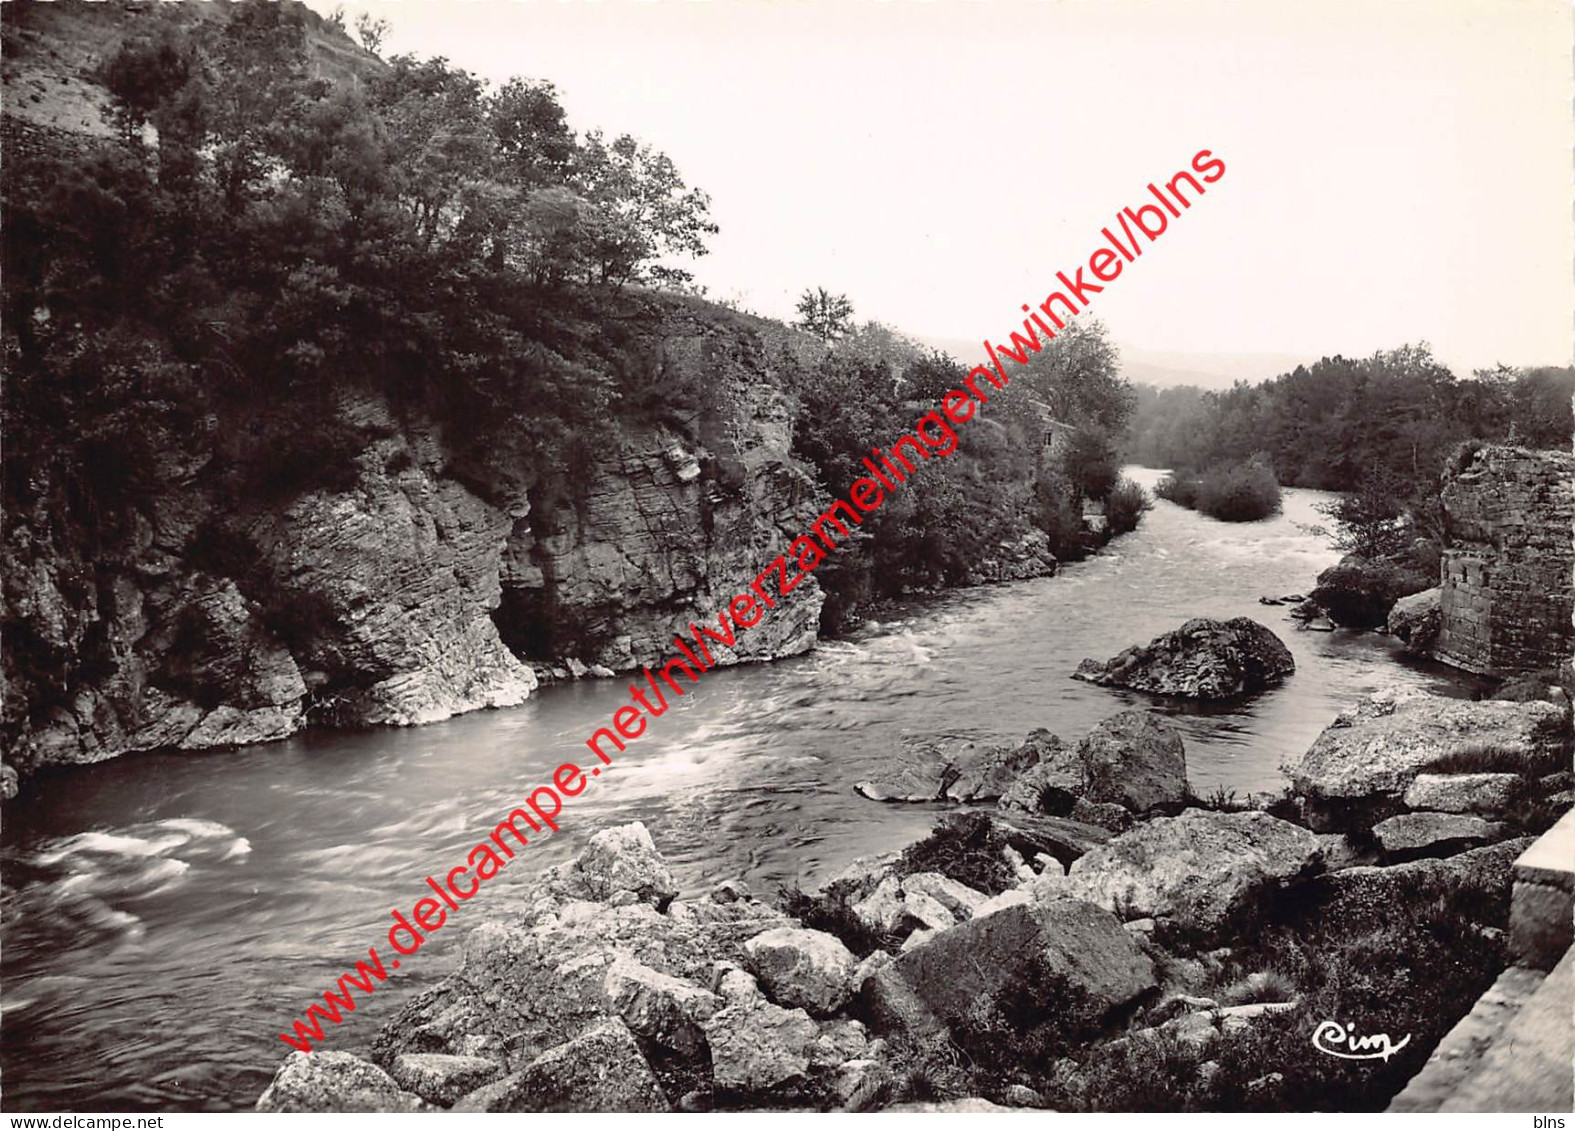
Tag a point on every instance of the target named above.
point(172, 913)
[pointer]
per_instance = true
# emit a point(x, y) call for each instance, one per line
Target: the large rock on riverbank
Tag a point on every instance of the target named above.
point(1362, 764)
point(1065, 943)
point(1136, 760)
point(1203, 659)
point(608, 994)
point(1359, 592)
point(1415, 621)
point(1199, 873)
point(336, 1082)
point(1133, 759)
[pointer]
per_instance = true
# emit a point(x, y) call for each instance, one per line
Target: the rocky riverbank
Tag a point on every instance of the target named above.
point(1097, 938)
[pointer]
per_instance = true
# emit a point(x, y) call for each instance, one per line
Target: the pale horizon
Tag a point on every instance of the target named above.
point(1395, 172)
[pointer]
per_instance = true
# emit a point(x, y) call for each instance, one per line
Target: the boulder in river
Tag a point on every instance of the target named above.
point(1201, 872)
point(1359, 592)
point(959, 772)
point(1203, 659)
point(1052, 784)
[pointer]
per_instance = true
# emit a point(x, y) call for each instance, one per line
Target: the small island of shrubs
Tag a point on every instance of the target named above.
point(1232, 492)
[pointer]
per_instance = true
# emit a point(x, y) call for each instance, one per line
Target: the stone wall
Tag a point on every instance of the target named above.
point(1507, 595)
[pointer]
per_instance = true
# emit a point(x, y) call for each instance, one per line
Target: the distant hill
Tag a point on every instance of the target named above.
point(1164, 368)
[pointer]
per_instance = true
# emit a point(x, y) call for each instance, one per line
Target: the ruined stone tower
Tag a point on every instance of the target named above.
point(1507, 594)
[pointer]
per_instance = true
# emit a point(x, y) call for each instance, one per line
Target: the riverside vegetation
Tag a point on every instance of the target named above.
point(1384, 431)
point(272, 299)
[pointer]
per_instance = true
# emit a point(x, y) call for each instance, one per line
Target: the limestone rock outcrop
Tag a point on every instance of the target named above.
point(413, 583)
point(1203, 659)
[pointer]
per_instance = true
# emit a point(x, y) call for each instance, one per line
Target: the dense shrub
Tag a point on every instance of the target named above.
point(1125, 505)
point(1239, 492)
point(1058, 512)
point(967, 847)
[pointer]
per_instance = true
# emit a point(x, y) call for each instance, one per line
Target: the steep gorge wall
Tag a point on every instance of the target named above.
point(394, 597)
point(1507, 595)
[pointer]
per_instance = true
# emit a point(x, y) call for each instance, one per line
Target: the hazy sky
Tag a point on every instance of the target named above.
point(1395, 171)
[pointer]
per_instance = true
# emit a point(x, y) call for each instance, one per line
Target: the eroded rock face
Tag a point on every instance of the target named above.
point(1368, 757)
point(402, 588)
point(667, 531)
point(1203, 659)
point(1202, 872)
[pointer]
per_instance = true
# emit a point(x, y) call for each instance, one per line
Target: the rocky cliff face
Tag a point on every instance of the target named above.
point(408, 591)
point(674, 523)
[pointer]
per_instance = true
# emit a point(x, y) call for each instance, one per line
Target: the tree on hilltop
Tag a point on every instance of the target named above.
point(824, 314)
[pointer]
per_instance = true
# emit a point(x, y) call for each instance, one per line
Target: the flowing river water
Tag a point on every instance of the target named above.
point(171, 913)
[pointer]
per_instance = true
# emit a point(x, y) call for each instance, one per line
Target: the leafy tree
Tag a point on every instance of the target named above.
point(256, 78)
point(639, 209)
point(1372, 520)
point(827, 316)
point(535, 144)
point(1091, 463)
point(1078, 376)
point(372, 30)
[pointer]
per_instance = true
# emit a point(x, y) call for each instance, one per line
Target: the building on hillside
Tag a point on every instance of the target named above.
point(1058, 433)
